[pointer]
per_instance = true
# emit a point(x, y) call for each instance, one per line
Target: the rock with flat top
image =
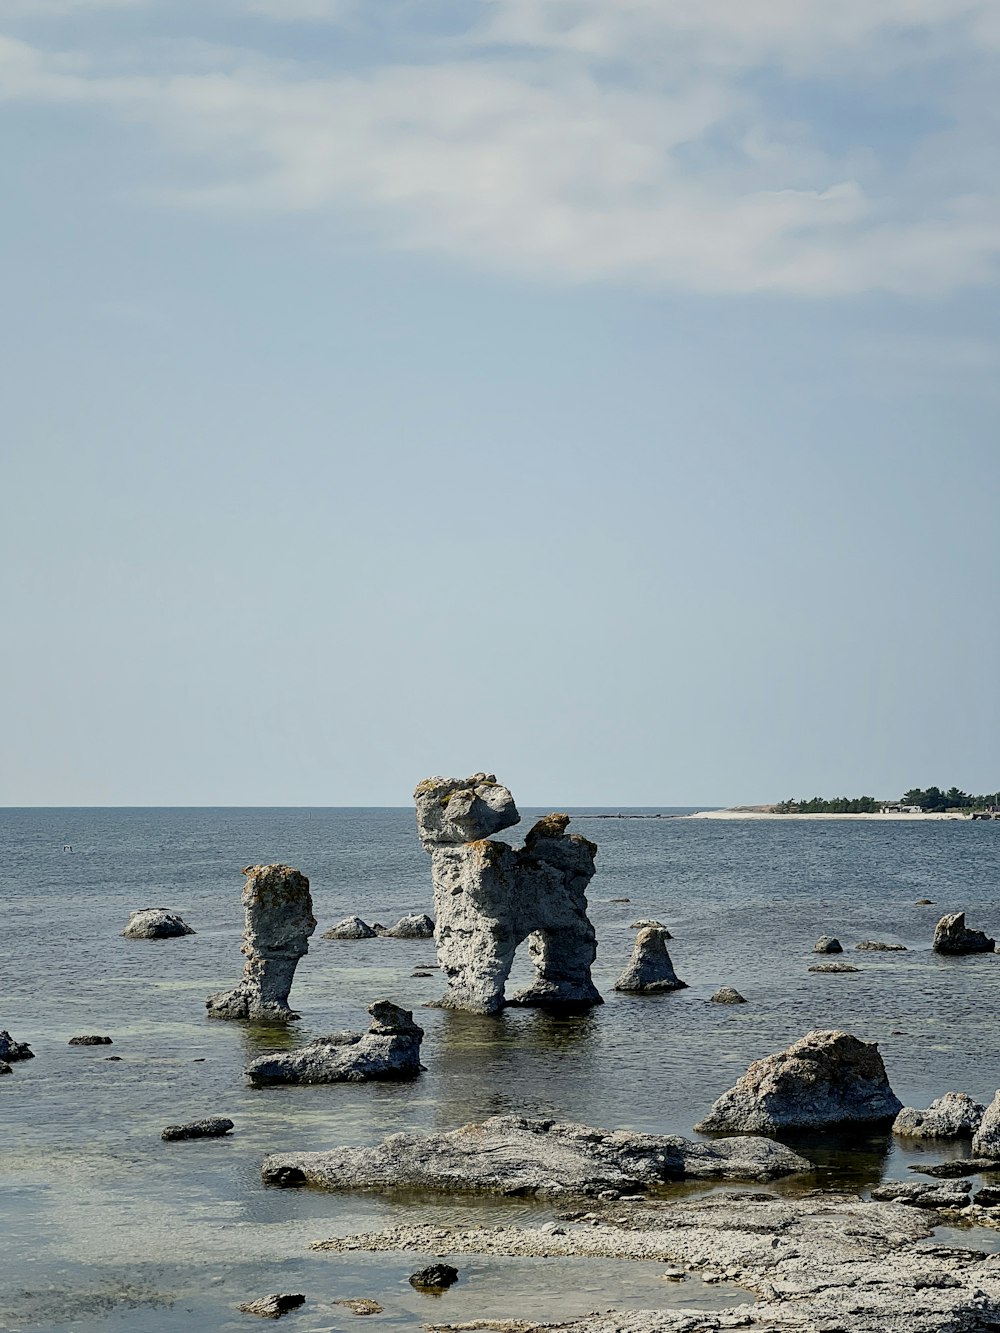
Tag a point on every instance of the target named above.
point(879, 946)
point(834, 967)
point(155, 923)
point(824, 1078)
point(90, 1040)
point(275, 1305)
point(952, 936)
point(953, 1116)
point(278, 922)
point(925, 1193)
point(416, 927)
point(351, 928)
point(828, 944)
point(518, 1156)
point(11, 1050)
point(215, 1127)
point(650, 970)
point(390, 1049)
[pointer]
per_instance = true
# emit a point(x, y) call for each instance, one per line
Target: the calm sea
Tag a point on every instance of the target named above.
point(103, 1226)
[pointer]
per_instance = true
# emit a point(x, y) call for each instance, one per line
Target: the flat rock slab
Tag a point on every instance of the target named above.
point(90, 1041)
point(213, 1128)
point(878, 946)
point(823, 1264)
point(274, 1306)
point(834, 967)
point(518, 1156)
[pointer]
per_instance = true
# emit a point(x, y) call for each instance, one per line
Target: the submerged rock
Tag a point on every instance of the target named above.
point(155, 923)
point(361, 1305)
point(412, 928)
point(275, 1305)
point(986, 1140)
point(649, 969)
point(212, 1128)
point(877, 946)
point(834, 967)
point(11, 1050)
point(952, 936)
point(279, 921)
point(519, 1156)
point(90, 1041)
point(390, 1049)
point(351, 928)
point(953, 1116)
point(828, 944)
point(824, 1078)
point(437, 1277)
point(727, 995)
point(489, 897)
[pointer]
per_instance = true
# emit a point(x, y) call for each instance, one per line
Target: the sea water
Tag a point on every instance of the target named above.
point(103, 1226)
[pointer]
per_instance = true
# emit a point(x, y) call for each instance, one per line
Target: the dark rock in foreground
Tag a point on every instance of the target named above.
point(11, 1050)
point(649, 970)
point(274, 1306)
point(390, 1049)
point(952, 936)
point(90, 1041)
point(155, 923)
point(828, 944)
point(953, 1116)
point(213, 1128)
point(518, 1156)
point(351, 928)
point(435, 1278)
point(824, 1078)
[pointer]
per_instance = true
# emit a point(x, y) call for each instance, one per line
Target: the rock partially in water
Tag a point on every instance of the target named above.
point(361, 1305)
point(828, 944)
point(834, 967)
point(518, 1156)
point(155, 923)
point(643, 922)
point(488, 898)
point(417, 927)
point(212, 1128)
point(824, 1078)
point(351, 928)
point(275, 1305)
point(390, 1049)
point(923, 1194)
point(727, 995)
point(11, 1050)
point(5, 1067)
point(986, 1140)
point(957, 1167)
point(436, 1277)
point(952, 936)
point(953, 1116)
point(278, 923)
point(650, 970)
point(924, 902)
point(879, 946)
point(987, 1197)
point(90, 1041)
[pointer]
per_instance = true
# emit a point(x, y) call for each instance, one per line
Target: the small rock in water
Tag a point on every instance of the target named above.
point(113, 1059)
point(5, 1067)
point(727, 995)
point(412, 928)
point(921, 1194)
point(958, 1166)
point(422, 976)
point(650, 970)
point(155, 923)
point(953, 1116)
point(11, 1050)
point(90, 1041)
point(435, 1278)
point(390, 1049)
point(213, 1128)
point(924, 902)
point(619, 900)
point(351, 928)
point(274, 1306)
point(877, 946)
point(952, 936)
point(828, 944)
point(361, 1305)
point(834, 967)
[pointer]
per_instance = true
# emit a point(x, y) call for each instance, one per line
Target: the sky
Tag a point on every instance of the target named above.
point(600, 393)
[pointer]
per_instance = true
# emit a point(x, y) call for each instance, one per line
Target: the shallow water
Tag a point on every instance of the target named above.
point(104, 1226)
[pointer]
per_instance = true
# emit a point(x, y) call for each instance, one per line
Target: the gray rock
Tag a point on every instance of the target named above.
point(212, 1128)
point(953, 1116)
point(952, 936)
point(361, 1305)
point(647, 921)
point(155, 923)
point(956, 1167)
point(11, 1050)
point(275, 1305)
point(925, 1194)
point(986, 1140)
point(5, 1067)
point(489, 898)
point(924, 902)
point(437, 1277)
point(878, 946)
point(90, 1041)
point(351, 928)
point(727, 995)
point(390, 1049)
point(650, 970)
point(834, 967)
point(412, 928)
point(828, 944)
point(279, 921)
point(987, 1197)
point(515, 1156)
point(824, 1078)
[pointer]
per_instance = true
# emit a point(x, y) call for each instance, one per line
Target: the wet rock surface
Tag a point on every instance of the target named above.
point(417, 927)
point(215, 1127)
point(155, 923)
point(275, 1305)
point(650, 970)
point(351, 928)
point(727, 995)
point(436, 1277)
point(828, 944)
point(823, 1264)
point(518, 1156)
point(834, 967)
point(11, 1050)
point(952, 936)
point(489, 898)
point(877, 946)
point(390, 1049)
point(824, 1078)
point(90, 1041)
point(278, 924)
point(953, 1116)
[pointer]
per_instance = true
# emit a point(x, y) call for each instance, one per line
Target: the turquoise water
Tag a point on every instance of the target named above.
point(106, 1227)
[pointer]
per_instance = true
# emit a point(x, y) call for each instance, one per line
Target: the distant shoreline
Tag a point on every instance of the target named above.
point(895, 818)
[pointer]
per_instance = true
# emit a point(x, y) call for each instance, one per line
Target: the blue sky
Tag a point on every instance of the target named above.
point(604, 394)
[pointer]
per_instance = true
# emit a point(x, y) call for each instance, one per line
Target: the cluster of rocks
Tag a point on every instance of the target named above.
point(415, 927)
point(390, 1049)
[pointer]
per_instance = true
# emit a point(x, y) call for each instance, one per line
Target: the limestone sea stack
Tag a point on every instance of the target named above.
point(390, 1049)
point(489, 897)
point(279, 921)
point(155, 923)
point(650, 970)
point(953, 1116)
point(952, 936)
point(824, 1078)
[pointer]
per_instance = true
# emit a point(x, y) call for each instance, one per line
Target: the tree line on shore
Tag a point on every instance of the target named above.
point(929, 799)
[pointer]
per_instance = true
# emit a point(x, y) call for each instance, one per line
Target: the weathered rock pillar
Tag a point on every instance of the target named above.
point(489, 897)
point(279, 921)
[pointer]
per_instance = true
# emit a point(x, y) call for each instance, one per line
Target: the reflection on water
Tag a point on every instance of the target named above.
point(103, 1223)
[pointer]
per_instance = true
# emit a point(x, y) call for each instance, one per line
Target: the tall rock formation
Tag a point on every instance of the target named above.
point(489, 897)
point(279, 921)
